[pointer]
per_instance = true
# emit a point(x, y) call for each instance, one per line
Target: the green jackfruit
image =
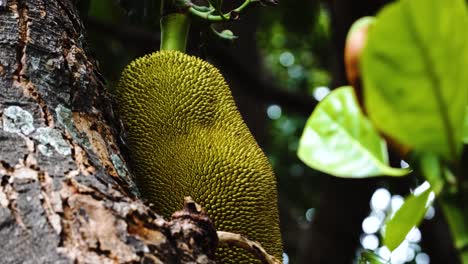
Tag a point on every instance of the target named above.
point(187, 138)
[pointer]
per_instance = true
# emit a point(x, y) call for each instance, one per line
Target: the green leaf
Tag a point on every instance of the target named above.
point(407, 216)
point(415, 74)
point(369, 257)
point(339, 140)
point(431, 170)
point(465, 127)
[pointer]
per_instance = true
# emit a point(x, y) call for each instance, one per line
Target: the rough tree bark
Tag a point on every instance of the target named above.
point(65, 193)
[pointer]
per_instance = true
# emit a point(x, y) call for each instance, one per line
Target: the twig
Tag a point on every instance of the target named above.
point(251, 246)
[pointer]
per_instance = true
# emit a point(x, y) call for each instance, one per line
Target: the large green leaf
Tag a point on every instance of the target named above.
point(407, 216)
point(415, 73)
point(339, 140)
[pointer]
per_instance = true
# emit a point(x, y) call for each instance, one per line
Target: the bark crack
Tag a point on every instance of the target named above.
point(19, 75)
point(73, 19)
point(22, 11)
point(10, 194)
point(51, 202)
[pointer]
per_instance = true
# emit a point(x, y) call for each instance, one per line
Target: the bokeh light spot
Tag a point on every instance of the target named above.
point(430, 213)
point(414, 235)
point(422, 258)
point(396, 202)
point(401, 254)
point(384, 253)
point(321, 92)
point(370, 242)
point(274, 111)
point(285, 258)
point(286, 59)
point(380, 199)
point(295, 71)
point(310, 214)
point(371, 225)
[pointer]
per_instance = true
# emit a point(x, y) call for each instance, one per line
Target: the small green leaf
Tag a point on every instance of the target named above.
point(407, 216)
point(414, 74)
point(369, 257)
point(339, 140)
point(226, 34)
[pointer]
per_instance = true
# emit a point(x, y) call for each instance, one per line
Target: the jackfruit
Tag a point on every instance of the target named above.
point(187, 138)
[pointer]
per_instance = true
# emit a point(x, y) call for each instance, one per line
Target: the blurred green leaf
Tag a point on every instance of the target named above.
point(369, 257)
point(465, 127)
point(414, 72)
point(339, 140)
point(408, 216)
point(431, 170)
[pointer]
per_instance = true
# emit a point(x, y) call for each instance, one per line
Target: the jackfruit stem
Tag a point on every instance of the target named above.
point(174, 31)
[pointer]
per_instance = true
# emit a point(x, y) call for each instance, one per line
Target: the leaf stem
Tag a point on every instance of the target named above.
point(231, 15)
point(451, 202)
point(455, 214)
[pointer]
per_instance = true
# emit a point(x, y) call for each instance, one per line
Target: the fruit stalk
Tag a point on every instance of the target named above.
point(174, 28)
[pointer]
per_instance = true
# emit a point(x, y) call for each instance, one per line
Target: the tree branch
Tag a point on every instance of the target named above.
point(253, 247)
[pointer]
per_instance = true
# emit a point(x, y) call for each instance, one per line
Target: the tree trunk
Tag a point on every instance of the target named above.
point(65, 193)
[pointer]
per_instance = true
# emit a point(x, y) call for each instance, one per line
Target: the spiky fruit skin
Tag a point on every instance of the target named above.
point(187, 138)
